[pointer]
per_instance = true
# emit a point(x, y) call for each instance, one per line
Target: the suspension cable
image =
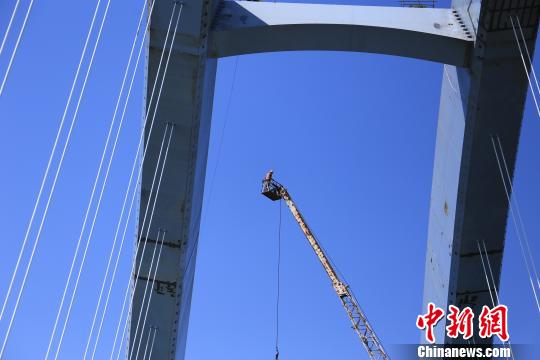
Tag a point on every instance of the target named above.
point(150, 268)
point(141, 166)
point(132, 272)
point(492, 282)
point(527, 53)
point(148, 231)
point(490, 272)
point(150, 330)
point(132, 201)
point(151, 292)
point(525, 65)
point(124, 302)
point(152, 122)
point(139, 240)
point(515, 222)
point(13, 13)
point(152, 346)
point(145, 290)
point(518, 212)
point(51, 156)
point(117, 134)
point(53, 185)
point(486, 274)
point(96, 212)
point(16, 46)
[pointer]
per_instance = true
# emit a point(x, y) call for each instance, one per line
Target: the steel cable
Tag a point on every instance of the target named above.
point(515, 222)
point(152, 346)
point(518, 212)
point(525, 65)
point(489, 286)
point(73, 121)
point(278, 278)
point(51, 156)
point(88, 241)
point(153, 119)
point(145, 287)
point(150, 222)
point(140, 169)
point(210, 192)
point(147, 341)
point(490, 272)
point(224, 127)
point(139, 239)
point(151, 292)
point(13, 13)
point(117, 134)
point(527, 53)
point(485, 273)
point(130, 209)
point(16, 46)
point(152, 330)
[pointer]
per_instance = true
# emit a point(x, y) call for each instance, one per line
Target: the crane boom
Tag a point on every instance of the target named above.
point(275, 191)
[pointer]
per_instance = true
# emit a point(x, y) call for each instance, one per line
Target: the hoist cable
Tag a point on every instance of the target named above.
point(51, 156)
point(278, 278)
point(16, 46)
point(117, 134)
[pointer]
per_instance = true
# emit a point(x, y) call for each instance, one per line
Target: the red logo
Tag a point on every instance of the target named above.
point(429, 320)
point(460, 322)
point(494, 322)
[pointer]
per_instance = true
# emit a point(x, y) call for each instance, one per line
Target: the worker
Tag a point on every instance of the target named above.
point(268, 176)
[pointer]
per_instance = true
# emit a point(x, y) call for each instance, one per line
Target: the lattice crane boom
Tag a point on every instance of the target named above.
point(275, 191)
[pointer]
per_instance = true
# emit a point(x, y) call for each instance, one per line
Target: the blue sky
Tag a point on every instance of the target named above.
point(351, 135)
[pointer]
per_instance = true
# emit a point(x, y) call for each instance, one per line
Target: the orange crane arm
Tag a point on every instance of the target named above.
point(275, 191)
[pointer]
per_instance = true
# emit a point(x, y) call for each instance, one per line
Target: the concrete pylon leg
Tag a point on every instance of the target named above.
point(468, 201)
point(185, 103)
